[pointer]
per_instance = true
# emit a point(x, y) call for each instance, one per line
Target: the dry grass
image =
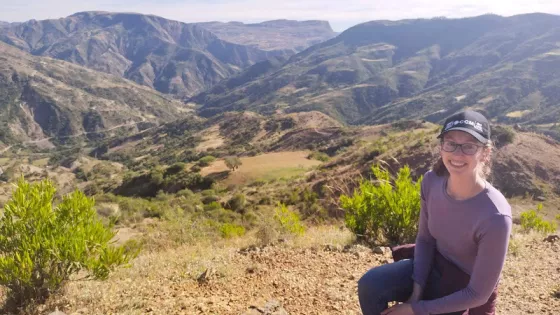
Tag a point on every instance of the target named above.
point(265, 167)
point(518, 114)
point(211, 139)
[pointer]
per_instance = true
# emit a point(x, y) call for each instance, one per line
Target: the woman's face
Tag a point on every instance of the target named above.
point(467, 155)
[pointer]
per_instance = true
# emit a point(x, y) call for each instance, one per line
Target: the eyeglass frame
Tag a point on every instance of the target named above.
point(460, 145)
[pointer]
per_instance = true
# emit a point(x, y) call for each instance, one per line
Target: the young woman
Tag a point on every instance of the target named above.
point(463, 219)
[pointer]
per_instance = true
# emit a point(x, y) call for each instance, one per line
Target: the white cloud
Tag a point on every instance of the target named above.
point(341, 13)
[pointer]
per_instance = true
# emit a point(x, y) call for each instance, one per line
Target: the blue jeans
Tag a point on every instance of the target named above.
point(386, 283)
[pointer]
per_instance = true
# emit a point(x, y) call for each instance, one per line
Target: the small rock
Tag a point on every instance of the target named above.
point(355, 249)
point(541, 198)
point(206, 276)
point(57, 312)
point(249, 249)
point(331, 248)
point(552, 238)
point(272, 307)
point(251, 269)
point(381, 250)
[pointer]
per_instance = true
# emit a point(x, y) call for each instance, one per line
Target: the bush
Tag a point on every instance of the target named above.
point(175, 168)
point(320, 156)
point(237, 203)
point(205, 161)
point(42, 245)
point(384, 211)
point(80, 174)
point(532, 220)
point(229, 230)
point(503, 135)
point(289, 220)
point(212, 206)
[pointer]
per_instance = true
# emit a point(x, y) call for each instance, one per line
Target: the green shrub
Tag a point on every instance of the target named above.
point(214, 205)
point(80, 174)
point(205, 161)
point(230, 230)
point(384, 211)
point(532, 220)
point(175, 168)
point(209, 199)
point(42, 245)
point(503, 135)
point(237, 203)
point(320, 156)
point(266, 200)
point(289, 220)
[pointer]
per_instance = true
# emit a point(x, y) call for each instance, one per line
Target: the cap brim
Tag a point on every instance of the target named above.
point(473, 133)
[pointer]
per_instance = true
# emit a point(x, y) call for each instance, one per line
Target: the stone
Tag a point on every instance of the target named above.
point(206, 276)
point(272, 307)
point(552, 238)
point(381, 250)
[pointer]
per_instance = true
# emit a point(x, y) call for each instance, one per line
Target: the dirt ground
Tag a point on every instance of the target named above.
point(314, 274)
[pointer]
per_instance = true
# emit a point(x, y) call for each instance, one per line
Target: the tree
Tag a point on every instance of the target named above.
point(233, 162)
point(42, 245)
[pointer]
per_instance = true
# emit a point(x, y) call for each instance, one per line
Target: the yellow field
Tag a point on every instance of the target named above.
point(518, 114)
point(265, 167)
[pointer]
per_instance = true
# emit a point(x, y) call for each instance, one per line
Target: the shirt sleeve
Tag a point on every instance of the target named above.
point(425, 242)
point(493, 240)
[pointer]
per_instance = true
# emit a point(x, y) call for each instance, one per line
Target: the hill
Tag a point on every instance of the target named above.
point(169, 56)
point(167, 187)
point(383, 71)
point(273, 35)
point(47, 100)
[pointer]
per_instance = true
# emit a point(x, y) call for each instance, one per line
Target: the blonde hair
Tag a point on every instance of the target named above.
point(484, 171)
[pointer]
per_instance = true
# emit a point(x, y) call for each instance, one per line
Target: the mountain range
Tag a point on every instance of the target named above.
point(375, 72)
point(169, 56)
point(273, 35)
point(383, 71)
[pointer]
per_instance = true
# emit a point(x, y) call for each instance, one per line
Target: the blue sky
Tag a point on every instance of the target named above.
point(340, 13)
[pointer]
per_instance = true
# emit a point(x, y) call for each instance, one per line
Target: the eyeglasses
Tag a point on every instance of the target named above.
point(467, 148)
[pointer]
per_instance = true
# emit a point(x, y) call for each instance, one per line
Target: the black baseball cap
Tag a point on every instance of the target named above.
point(470, 122)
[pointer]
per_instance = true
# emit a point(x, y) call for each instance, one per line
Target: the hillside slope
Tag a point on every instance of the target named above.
point(169, 56)
point(44, 98)
point(382, 71)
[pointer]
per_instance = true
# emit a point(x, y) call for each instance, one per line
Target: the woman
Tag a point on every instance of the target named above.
point(463, 219)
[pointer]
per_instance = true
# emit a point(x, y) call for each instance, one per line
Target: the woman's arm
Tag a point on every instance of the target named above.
point(493, 240)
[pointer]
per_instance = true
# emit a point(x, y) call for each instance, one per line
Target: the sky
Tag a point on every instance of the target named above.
point(342, 14)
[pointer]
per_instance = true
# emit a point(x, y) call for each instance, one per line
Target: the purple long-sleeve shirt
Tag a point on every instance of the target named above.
point(472, 233)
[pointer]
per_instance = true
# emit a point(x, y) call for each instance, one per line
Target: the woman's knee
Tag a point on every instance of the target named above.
point(378, 280)
point(371, 283)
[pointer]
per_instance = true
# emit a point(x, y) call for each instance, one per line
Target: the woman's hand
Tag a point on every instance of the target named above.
point(399, 309)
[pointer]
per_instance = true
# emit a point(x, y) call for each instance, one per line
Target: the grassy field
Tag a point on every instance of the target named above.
point(265, 167)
